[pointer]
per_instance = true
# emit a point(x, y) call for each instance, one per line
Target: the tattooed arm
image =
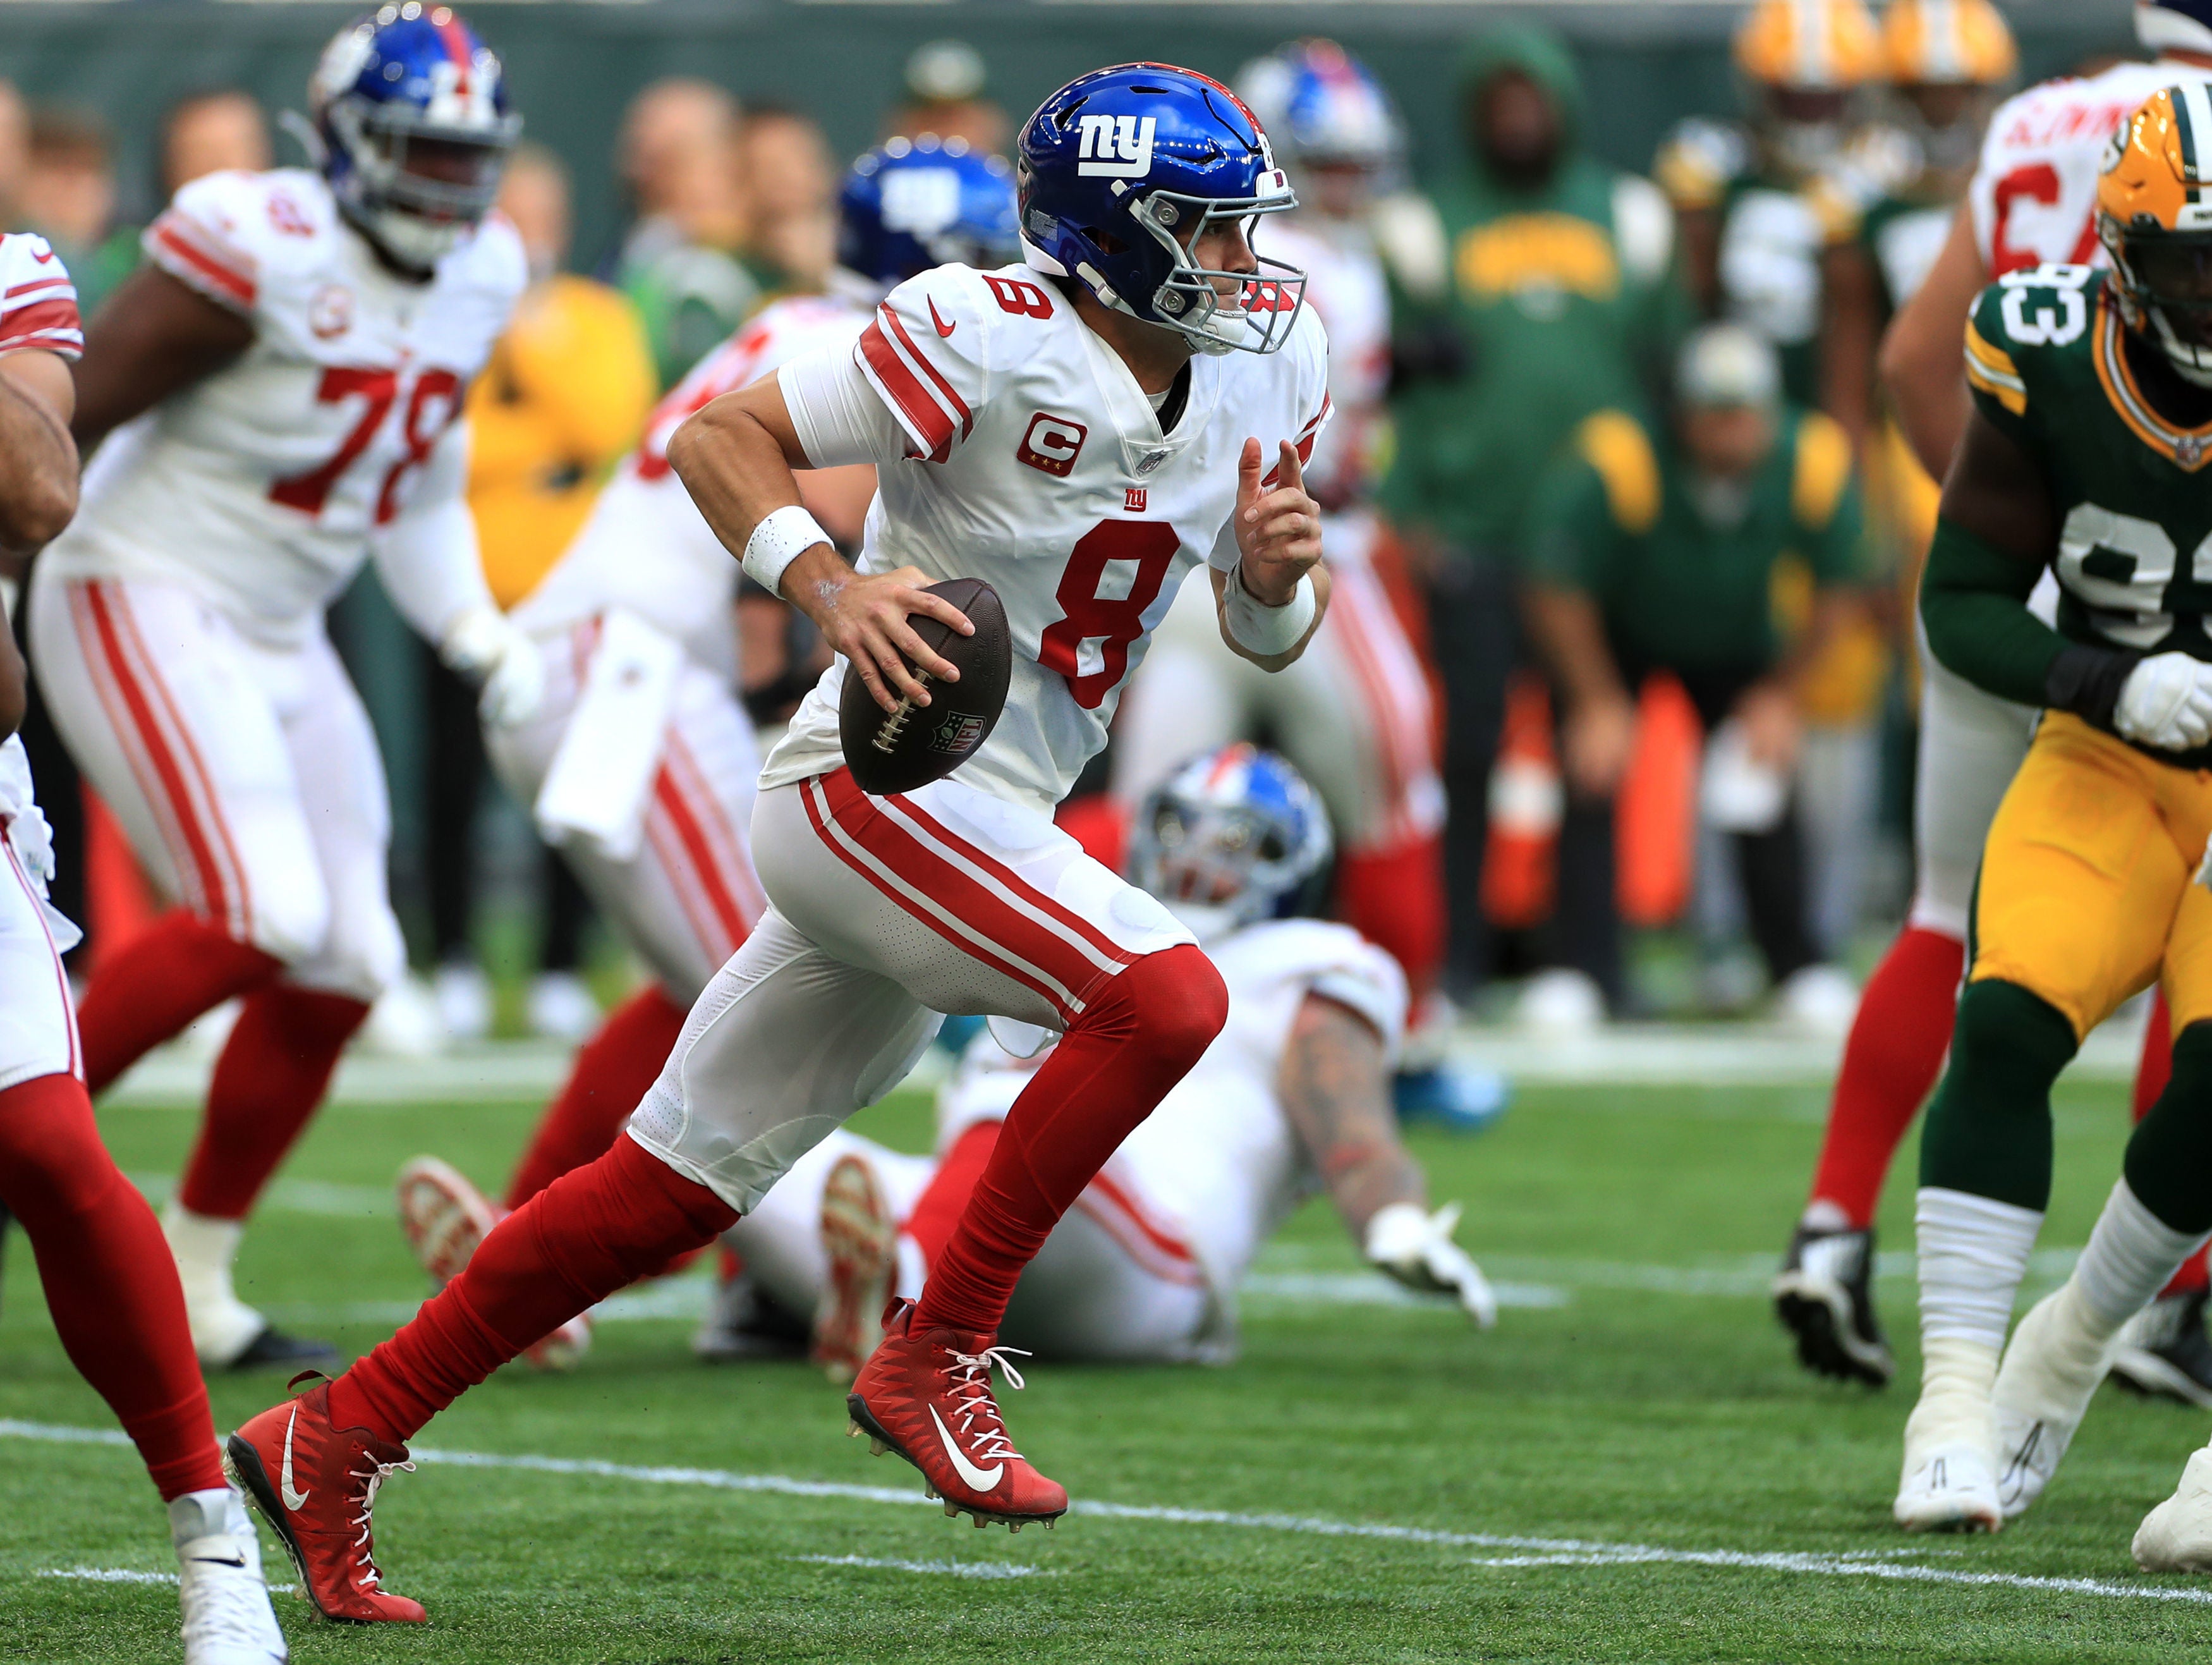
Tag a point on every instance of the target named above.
point(1335, 1087)
point(1336, 1092)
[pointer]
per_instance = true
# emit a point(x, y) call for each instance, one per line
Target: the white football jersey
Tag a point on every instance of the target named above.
point(1217, 1161)
point(2034, 193)
point(1347, 286)
point(38, 302)
point(646, 547)
point(260, 486)
point(1021, 451)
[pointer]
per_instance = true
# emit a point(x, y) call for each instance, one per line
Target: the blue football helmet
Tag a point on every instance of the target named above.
point(410, 112)
point(1122, 170)
point(1323, 107)
point(910, 205)
point(1230, 839)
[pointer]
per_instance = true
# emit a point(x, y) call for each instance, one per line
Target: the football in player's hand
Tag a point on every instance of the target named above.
point(900, 750)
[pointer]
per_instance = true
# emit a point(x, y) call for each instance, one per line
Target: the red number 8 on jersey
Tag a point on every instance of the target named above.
point(1089, 615)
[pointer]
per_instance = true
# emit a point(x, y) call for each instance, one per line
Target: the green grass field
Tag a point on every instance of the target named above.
point(1630, 1468)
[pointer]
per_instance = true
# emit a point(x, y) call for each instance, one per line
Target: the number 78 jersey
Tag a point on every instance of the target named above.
point(259, 486)
point(1013, 445)
point(2048, 364)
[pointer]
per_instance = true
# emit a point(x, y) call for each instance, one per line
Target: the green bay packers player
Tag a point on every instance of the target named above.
point(2086, 452)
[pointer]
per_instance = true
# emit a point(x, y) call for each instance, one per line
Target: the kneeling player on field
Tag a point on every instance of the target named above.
point(1293, 1096)
point(2093, 419)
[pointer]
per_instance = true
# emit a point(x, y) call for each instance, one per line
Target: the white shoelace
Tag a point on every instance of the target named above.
point(971, 1397)
point(375, 1475)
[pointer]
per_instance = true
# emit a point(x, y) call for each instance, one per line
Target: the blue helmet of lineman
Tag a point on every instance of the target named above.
point(1123, 170)
point(410, 110)
point(1323, 108)
point(910, 205)
point(1229, 840)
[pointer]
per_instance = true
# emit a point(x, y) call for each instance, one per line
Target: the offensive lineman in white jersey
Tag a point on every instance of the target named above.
point(278, 389)
point(1293, 1097)
point(2032, 201)
point(641, 713)
point(1356, 713)
point(109, 1286)
point(1080, 431)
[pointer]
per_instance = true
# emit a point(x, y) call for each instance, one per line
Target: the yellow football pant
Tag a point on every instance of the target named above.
point(2087, 880)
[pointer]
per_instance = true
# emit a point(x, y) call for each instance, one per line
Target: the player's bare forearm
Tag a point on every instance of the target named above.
point(1570, 635)
point(1335, 1092)
point(38, 460)
point(1921, 364)
point(736, 457)
point(150, 338)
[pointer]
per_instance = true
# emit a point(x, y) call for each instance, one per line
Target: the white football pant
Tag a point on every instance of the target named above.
point(1354, 714)
point(245, 774)
point(689, 895)
point(1970, 746)
point(38, 1017)
point(1107, 1285)
point(886, 913)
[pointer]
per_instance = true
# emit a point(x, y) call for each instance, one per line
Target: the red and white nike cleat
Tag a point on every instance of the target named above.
point(861, 1239)
point(316, 1485)
point(928, 1398)
point(446, 1220)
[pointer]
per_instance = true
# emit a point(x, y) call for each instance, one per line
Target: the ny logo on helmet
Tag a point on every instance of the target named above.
point(1117, 147)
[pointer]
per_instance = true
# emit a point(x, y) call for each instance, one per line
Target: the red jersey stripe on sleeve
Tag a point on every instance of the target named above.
point(945, 390)
point(1306, 436)
point(52, 325)
point(185, 251)
point(926, 422)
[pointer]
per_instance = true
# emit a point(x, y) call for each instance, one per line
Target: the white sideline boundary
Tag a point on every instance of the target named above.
point(1537, 1552)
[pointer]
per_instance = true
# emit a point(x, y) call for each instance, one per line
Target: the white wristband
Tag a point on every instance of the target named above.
point(1267, 630)
point(780, 538)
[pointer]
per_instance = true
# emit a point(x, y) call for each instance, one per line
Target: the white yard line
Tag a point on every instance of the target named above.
point(954, 1569)
point(1536, 1551)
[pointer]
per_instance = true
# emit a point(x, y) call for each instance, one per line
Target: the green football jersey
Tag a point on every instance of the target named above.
point(2045, 361)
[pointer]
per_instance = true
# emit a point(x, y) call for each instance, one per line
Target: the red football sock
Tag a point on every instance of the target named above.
point(110, 1283)
point(2153, 1070)
point(1394, 897)
point(179, 968)
point(1890, 1062)
point(611, 1074)
point(595, 1229)
point(1138, 1036)
point(944, 1199)
point(274, 1070)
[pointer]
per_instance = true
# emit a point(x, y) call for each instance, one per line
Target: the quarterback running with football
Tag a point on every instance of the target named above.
point(1293, 1098)
point(110, 1287)
point(641, 707)
point(2092, 423)
point(275, 396)
point(1080, 431)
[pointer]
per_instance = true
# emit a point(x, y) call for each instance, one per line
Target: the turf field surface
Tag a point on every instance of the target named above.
point(1631, 1466)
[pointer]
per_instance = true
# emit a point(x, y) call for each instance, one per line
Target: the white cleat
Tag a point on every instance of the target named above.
point(227, 1618)
point(2050, 1371)
point(859, 1240)
point(1948, 1487)
point(2177, 1535)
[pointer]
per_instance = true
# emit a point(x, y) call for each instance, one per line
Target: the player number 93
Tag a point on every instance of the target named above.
point(2047, 326)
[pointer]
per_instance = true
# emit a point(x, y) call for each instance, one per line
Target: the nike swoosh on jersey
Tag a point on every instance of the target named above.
point(942, 328)
point(981, 1479)
point(46, 258)
point(292, 1499)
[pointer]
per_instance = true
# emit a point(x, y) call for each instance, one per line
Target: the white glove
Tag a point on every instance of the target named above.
point(2167, 703)
point(484, 645)
point(1417, 1250)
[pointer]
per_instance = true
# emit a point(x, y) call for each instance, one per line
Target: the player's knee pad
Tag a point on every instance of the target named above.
point(1172, 1004)
point(2169, 1159)
point(1989, 1126)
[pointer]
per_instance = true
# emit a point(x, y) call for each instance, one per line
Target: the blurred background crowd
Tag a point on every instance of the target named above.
point(1660, 573)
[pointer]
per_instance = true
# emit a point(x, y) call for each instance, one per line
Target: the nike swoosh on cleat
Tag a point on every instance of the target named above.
point(942, 328)
point(982, 1479)
point(216, 1561)
point(292, 1499)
